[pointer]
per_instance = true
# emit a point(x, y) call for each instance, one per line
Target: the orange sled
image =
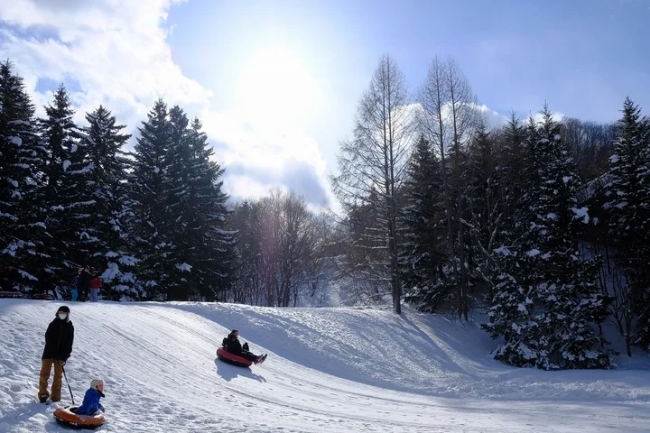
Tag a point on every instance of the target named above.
point(67, 417)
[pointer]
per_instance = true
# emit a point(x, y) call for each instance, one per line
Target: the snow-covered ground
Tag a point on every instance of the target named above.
point(328, 370)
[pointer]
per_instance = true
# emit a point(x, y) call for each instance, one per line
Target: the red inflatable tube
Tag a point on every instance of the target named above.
point(4, 294)
point(228, 357)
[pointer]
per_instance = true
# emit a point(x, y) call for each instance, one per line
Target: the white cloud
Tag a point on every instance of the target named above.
point(492, 118)
point(116, 50)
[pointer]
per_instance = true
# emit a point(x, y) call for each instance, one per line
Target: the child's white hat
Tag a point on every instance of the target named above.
point(95, 383)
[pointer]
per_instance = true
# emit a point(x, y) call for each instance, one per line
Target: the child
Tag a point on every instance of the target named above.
point(91, 402)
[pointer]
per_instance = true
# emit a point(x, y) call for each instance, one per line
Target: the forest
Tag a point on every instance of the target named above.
point(540, 221)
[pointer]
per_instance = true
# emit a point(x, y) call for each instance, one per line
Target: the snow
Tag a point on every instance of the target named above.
point(581, 213)
point(184, 267)
point(66, 164)
point(328, 370)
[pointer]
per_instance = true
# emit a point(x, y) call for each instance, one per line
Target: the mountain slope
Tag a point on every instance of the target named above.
point(329, 370)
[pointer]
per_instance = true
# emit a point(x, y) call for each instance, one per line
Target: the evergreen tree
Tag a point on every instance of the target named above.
point(212, 244)
point(546, 302)
point(110, 251)
point(68, 199)
point(422, 256)
point(150, 190)
point(21, 159)
point(486, 201)
point(180, 173)
point(628, 202)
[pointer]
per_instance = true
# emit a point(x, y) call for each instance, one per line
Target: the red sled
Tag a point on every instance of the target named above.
point(5, 294)
point(229, 358)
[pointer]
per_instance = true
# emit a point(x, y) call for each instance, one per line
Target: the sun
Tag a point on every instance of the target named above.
point(276, 88)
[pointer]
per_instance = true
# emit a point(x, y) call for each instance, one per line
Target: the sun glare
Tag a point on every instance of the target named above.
point(276, 89)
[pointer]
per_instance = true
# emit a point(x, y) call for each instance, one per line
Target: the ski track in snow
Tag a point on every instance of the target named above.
point(328, 370)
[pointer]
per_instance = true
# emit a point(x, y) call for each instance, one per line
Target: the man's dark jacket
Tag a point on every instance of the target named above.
point(11, 277)
point(83, 282)
point(233, 345)
point(58, 340)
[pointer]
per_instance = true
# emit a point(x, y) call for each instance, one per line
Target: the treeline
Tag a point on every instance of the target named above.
point(448, 214)
point(151, 222)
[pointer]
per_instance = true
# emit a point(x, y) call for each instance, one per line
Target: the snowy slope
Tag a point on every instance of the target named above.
point(329, 370)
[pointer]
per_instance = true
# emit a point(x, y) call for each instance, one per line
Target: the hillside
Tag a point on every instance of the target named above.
point(329, 370)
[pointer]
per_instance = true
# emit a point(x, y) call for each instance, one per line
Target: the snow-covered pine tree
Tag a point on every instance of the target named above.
point(422, 253)
point(485, 201)
point(546, 302)
point(68, 200)
point(212, 244)
point(110, 254)
point(180, 173)
point(628, 204)
point(150, 189)
point(21, 159)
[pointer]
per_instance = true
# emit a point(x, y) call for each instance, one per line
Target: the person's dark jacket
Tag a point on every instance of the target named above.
point(8, 279)
point(45, 284)
point(233, 345)
point(83, 281)
point(58, 340)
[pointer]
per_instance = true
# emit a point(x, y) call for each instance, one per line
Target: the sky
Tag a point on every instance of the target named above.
point(276, 83)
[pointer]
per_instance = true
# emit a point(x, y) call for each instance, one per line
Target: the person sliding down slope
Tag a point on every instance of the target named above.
point(232, 345)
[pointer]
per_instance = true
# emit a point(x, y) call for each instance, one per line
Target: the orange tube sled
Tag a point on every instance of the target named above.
point(67, 417)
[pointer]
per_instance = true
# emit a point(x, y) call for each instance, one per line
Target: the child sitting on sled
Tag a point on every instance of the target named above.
point(91, 403)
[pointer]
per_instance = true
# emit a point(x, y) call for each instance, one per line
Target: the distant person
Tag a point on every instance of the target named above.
point(74, 292)
point(91, 404)
point(95, 285)
point(58, 347)
point(9, 278)
point(83, 283)
point(45, 284)
point(232, 345)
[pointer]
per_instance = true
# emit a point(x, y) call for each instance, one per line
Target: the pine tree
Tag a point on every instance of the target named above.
point(179, 175)
point(212, 244)
point(150, 191)
point(422, 257)
point(21, 160)
point(110, 251)
point(68, 200)
point(628, 202)
point(546, 302)
point(486, 201)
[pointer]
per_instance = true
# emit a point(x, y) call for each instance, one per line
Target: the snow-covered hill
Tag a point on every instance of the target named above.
point(329, 370)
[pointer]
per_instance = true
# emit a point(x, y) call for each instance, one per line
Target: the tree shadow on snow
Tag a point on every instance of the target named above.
point(229, 372)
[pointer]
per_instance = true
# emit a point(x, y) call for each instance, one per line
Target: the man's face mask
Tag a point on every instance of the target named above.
point(63, 316)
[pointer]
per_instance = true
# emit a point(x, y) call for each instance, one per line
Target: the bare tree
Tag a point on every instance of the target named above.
point(448, 118)
point(279, 248)
point(372, 168)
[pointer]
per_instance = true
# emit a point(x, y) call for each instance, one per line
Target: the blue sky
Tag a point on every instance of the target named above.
point(214, 57)
point(582, 56)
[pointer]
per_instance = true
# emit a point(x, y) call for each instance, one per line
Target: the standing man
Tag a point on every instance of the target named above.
point(83, 283)
point(58, 347)
point(9, 277)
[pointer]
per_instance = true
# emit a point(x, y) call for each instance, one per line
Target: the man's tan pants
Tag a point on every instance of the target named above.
point(46, 368)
